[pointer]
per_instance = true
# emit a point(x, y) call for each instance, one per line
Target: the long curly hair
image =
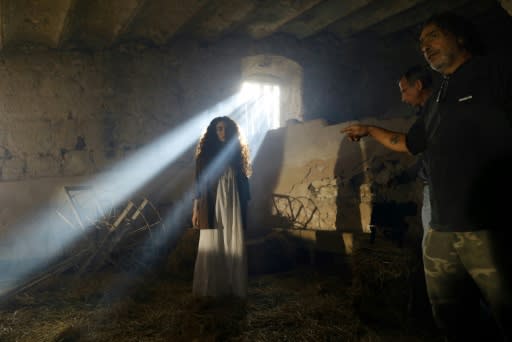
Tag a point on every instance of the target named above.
point(210, 146)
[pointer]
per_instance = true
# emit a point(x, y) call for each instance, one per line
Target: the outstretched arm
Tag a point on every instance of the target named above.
point(392, 140)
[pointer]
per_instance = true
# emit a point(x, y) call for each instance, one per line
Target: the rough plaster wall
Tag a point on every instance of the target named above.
point(321, 180)
point(49, 104)
point(68, 115)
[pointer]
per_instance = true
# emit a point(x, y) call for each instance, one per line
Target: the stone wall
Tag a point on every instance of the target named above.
point(67, 116)
point(309, 176)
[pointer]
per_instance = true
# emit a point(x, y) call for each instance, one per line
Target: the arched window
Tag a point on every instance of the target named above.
point(278, 71)
point(261, 110)
point(271, 90)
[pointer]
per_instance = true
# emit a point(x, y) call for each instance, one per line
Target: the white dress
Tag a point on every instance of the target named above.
point(221, 262)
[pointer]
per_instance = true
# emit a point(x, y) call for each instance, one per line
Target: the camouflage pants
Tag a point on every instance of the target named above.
point(461, 268)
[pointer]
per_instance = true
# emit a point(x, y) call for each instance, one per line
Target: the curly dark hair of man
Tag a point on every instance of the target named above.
point(210, 146)
point(461, 28)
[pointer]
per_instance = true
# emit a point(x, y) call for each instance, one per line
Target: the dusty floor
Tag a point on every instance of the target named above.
point(305, 304)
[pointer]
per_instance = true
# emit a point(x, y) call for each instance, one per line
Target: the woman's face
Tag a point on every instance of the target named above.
point(220, 128)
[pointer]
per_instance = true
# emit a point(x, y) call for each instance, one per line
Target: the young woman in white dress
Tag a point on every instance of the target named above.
point(220, 209)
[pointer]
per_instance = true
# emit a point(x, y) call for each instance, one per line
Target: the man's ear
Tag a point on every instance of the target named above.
point(418, 85)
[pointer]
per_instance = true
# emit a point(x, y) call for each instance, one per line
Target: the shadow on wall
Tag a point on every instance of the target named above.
point(377, 191)
point(267, 166)
point(349, 173)
point(293, 212)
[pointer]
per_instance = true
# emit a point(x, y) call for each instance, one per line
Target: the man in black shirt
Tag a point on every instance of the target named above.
point(465, 135)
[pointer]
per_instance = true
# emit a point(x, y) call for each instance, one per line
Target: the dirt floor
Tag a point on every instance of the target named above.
point(305, 304)
point(374, 295)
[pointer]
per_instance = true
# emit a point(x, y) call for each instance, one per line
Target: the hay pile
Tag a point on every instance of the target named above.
point(304, 304)
point(181, 260)
point(387, 282)
point(276, 252)
point(282, 307)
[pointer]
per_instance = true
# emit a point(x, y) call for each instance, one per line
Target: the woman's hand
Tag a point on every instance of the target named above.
point(356, 132)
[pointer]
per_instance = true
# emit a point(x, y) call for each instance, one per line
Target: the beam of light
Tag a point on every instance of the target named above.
point(35, 241)
point(44, 236)
point(258, 113)
point(130, 175)
point(176, 217)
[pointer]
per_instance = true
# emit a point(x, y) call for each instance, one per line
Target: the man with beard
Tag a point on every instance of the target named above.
point(464, 136)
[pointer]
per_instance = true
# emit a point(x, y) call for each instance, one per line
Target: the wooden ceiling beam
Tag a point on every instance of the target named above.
point(159, 20)
point(370, 15)
point(97, 23)
point(321, 16)
point(414, 16)
point(39, 22)
point(219, 17)
point(2, 23)
point(271, 15)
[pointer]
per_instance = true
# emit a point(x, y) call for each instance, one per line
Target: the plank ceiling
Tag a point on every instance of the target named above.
point(99, 24)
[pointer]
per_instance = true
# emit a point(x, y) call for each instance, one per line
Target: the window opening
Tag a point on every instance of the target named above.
point(261, 108)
